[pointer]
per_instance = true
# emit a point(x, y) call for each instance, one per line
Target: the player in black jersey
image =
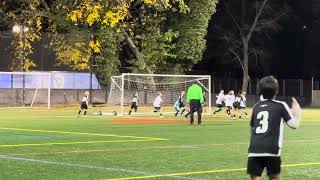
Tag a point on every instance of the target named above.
point(134, 103)
point(267, 123)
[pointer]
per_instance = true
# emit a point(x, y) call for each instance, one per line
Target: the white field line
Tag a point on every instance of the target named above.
point(214, 119)
point(186, 146)
point(87, 166)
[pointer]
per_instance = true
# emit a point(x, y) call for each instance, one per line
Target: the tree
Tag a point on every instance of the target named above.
point(255, 21)
point(83, 33)
point(192, 28)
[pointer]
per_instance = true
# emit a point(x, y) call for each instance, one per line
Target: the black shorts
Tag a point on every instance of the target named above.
point(229, 107)
point(256, 165)
point(157, 109)
point(219, 105)
point(83, 105)
point(236, 105)
point(134, 106)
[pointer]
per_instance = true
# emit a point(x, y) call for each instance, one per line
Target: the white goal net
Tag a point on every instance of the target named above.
point(25, 89)
point(148, 86)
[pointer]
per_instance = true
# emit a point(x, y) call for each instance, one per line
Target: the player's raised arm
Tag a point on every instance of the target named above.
point(294, 122)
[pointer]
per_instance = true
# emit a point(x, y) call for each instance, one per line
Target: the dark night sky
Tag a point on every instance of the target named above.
point(296, 51)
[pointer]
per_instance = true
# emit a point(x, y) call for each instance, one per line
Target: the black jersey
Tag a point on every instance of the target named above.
point(237, 101)
point(181, 101)
point(266, 124)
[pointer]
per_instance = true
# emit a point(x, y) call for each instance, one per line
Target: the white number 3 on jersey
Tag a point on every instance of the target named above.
point(263, 116)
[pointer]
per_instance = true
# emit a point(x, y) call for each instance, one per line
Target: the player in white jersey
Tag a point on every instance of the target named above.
point(243, 104)
point(84, 104)
point(157, 104)
point(219, 101)
point(229, 98)
point(134, 103)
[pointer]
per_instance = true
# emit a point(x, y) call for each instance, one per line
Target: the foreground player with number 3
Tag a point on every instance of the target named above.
point(267, 123)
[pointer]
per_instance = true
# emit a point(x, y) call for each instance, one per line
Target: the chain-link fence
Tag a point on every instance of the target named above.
point(302, 89)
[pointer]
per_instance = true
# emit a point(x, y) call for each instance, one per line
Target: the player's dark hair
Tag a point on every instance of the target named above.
point(268, 87)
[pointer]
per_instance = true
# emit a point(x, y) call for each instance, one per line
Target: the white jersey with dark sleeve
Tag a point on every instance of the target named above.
point(267, 124)
point(243, 101)
point(134, 100)
point(85, 99)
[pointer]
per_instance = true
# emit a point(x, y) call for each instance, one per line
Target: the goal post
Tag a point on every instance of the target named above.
point(148, 85)
point(25, 89)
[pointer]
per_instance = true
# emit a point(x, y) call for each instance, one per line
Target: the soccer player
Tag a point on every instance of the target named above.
point(180, 105)
point(229, 102)
point(84, 104)
point(134, 103)
point(157, 104)
point(243, 104)
point(195, 98)
point(219, 101)
point(267, 124)
point(236, 104)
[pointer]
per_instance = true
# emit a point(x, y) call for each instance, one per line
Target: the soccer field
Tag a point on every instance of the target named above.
point(42, 144)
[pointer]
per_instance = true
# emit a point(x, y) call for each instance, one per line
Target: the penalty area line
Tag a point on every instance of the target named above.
point(80, 133)
point(73, 143)
point(208, 172)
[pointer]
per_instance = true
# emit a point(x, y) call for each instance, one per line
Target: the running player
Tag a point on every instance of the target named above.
point(84, 104)
point(134, 103)
point(243, 105)
point(219, 101)
point(180, 105)
point(157, 104)
point(236, 104)
point(267, 124)
point(229, 102)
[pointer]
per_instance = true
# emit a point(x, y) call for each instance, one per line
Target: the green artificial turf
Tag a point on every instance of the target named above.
point(95, 148)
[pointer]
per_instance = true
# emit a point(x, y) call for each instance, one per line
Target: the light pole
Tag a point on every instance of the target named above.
point(18, 29)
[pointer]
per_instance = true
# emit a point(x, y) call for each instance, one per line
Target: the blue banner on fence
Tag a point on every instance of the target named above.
point(59, 80)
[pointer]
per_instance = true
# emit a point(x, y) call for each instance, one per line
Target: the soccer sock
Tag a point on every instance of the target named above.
point(85, 113)
point(217, 110)
point(183, 110)
point(130, 112)
point(79, 112)
point(176, 114)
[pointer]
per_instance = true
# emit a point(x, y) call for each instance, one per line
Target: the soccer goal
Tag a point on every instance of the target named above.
point(25, 89)
point(149, 85)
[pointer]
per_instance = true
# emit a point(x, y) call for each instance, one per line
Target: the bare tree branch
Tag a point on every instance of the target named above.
point(255, 22)
point(237, 57)
point(233, 19)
